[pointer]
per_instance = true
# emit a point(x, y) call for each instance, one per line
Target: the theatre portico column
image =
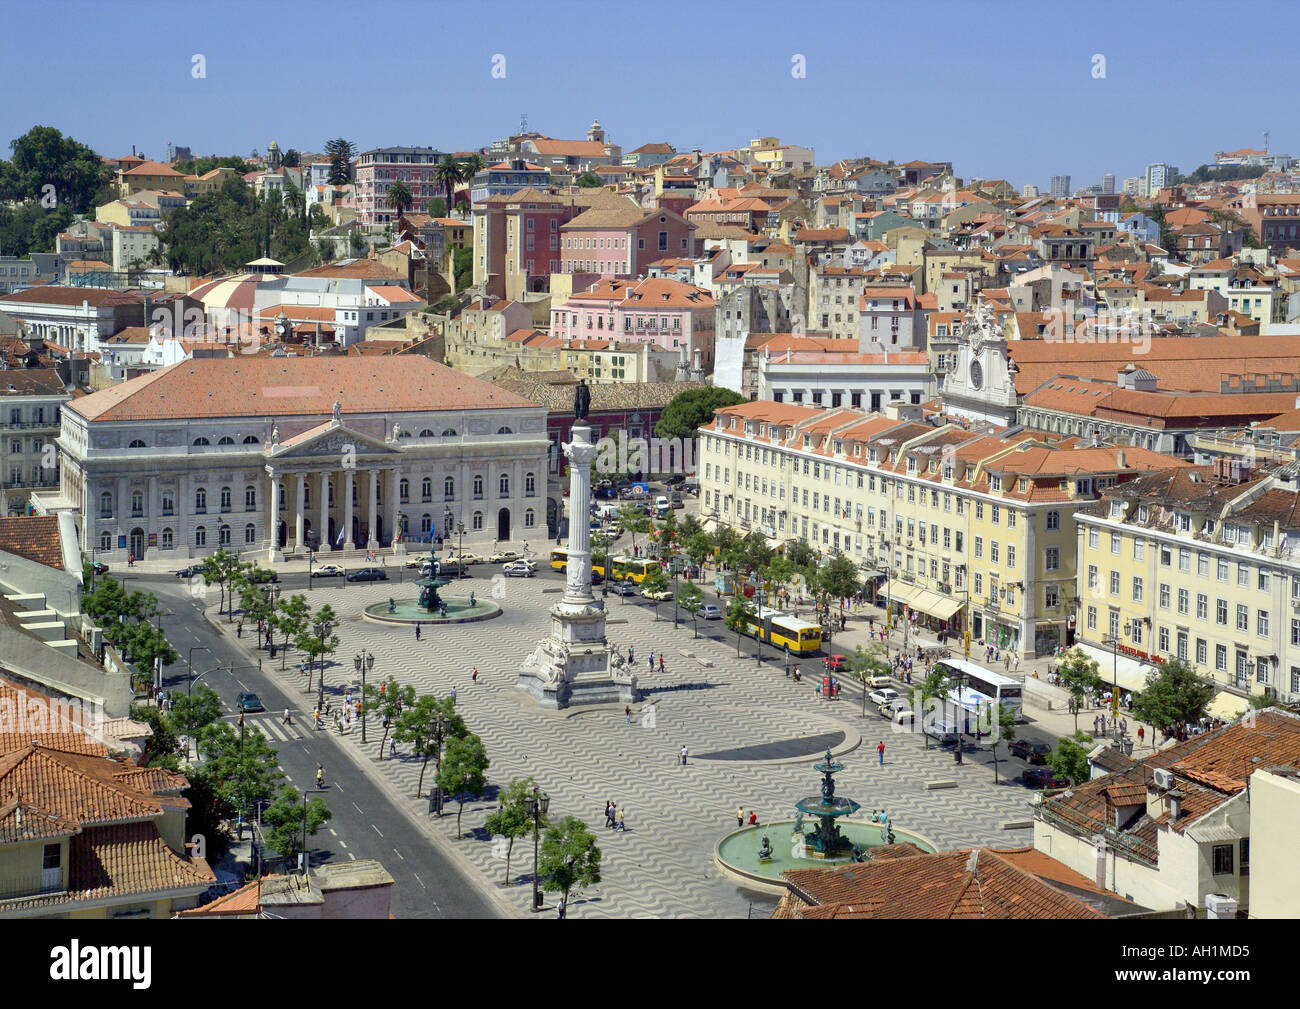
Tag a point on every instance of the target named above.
point(347, 509)
point(323, 533)
point(299, 509)
point(273, 523)
point(372, 513)
point(394, 511)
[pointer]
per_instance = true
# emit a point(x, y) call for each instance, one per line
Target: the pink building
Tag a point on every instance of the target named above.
point(667, 313)
point(623, 241)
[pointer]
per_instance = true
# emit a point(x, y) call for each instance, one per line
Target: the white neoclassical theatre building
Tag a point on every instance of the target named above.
point(284, 454)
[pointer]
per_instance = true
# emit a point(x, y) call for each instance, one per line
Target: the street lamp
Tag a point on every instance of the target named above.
point(195, 648)
point(306, 858)
point(363, 662)
point(1113, 640)
point(537, 804)
point(439, 727)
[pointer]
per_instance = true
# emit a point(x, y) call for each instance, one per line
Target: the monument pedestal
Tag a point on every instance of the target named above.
point(575, 665)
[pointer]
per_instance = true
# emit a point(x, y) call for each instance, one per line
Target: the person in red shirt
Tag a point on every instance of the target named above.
point(880, 749)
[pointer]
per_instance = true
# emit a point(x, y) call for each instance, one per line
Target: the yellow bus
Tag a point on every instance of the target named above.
point(560, 559)
point(623, 568)
point(798, 637)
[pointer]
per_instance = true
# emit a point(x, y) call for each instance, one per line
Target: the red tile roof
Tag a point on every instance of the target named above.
point(35, 537)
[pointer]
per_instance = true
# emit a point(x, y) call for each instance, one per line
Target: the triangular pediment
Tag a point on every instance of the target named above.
point(330, 439)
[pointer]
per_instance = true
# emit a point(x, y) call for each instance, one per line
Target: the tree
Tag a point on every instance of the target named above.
point(256, 607)
point(163, 746)
point(325, 250)
point(570, 858)
point(447, 175)
point(340, 153)
point(690, 597)
point(43, 157)
point(740, 614)
point(1079, 676)
point(290, 619)
point(464, 771)
point(866, 663)
point(1174, 696)
point(437, 207)
point(291, 159)
point(462, 267)
point(698, 547)
point(295, 199)
point(146, 644)
point(631, 519)
point(399, 197)
point(317, 640)
point(1003, 732)
point(1070, 759)
point(243, 762)
point(356, 242)
point(201, 166)
point(589, 180)
point(838, 579)
point(933, 687)
point(287, 817)
point(754, 554)
point(417, 725)
point(512, 819)
point(655, 583)
point(219, 569)
point(384, 700)
point(194, 711)
point(689, 410)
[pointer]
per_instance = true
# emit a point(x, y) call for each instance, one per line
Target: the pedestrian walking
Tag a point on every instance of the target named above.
point(563, 906)
point(609, 814)
point(287, 720)
point(651, 660)
point(661, 662)
point(683, 755)
point(417, 632)
point(628, 712)
point(753, 818)
point(740, 816)
point(1141, 734)
point(880, 750)
point(474, 675)
point(1123, 726)
point(621, 824)
point(453, 693)
point(631, 654)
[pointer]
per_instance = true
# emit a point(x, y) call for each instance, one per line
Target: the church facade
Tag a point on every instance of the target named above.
point(982, 385)
point(291, 454)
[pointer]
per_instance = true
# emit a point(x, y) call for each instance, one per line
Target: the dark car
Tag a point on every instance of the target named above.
point(1035, 753)
point(1041, 777)
point(368, 575)
point(100, 568)
point(249, 701)
point(624, 588)
point(596, 578)
point(261, 575)
point(190, 572)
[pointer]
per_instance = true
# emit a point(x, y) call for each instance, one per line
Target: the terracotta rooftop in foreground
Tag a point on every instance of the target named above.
point(35, 537)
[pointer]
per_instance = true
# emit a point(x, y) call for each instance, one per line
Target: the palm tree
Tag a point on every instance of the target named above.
point(447, 174)
point(295, 199)
point(399, 197)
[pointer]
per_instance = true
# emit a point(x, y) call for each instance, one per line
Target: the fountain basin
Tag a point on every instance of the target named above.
point(409, 611)
point(737, 853)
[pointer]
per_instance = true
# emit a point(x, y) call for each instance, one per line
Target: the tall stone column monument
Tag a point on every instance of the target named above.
point(574, 664)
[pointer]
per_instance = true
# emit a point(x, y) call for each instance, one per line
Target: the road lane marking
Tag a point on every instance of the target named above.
point(419, 880)
point(376, 830)
point(352, 856)
point(399, 854)
point(331, 830)
point(343, 844)
point(358, 809)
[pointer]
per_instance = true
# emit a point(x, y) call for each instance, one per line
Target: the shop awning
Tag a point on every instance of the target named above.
point(1226, 706)
point(936, 604)
point(870, 573)
point(1129, 673)
point(901, 592)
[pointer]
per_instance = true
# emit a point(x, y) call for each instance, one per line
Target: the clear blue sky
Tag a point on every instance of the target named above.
point(1000, 89)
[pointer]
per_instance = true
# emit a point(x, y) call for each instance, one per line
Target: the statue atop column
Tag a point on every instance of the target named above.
point(581, 400)
point(338, 412)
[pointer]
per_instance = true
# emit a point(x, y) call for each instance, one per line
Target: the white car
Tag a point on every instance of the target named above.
point(465, 558)
point(709, 611)
point(328, 571)
point(519, 569)
point(658, 597)
point(504, 557)
point(883, 696)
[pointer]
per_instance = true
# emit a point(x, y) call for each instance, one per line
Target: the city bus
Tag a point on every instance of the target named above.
point(979, 691)
point(625, 568)
point(787, 633)
point(560, 559)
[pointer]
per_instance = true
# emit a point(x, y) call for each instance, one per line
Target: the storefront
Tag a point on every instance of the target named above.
point(987, 627)
point(938, 612)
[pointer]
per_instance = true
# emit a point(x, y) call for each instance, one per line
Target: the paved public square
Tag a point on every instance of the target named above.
point(663, 864)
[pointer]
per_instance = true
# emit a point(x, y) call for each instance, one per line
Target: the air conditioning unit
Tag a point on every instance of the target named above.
point(1163, 777)
point(1220, 905)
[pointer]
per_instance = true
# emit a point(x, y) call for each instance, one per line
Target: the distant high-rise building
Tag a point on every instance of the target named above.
point(1029, 191)
point(1060, 186)
point(175, 154)
point(1108, 185)
point(1160, 175)
point(1135, 186)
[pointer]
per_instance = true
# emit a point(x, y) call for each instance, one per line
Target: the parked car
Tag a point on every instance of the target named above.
point(624, 588)
point(328, 571)
point(676, 500)
point(944, 732)
point(879, 681)
point(597, 578)
point(261, 575)
point(504, 557)
point(519, 569)
point(838, 663)
point(1041, 777)
point(190, 572)
point(100, 568)
point(658, 597)
point(883, 696)
point(1035, 753)
point(675, 480)
point(709, 611)
point(368, 575)
point(467, 557)
point(249, 701)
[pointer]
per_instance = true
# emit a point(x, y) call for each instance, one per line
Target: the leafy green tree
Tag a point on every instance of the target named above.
point(631, 519)
point(145, 644)
point(1080, 677)
point(286, 818)
point(569, 858)
point(210, 810)
point(654, 583)
point(668, 531)
point(926, 695)
point(255, 607)
point(201, 166)
point(462, 208)
point(437, 207)
point(194, 711)
point(688, 527)
point(689, 410)
point(1003, 732)
point(45, 157)
point(30, 227)
point(291, 159)
point(221, 230)
point(1070, 759)
point(779, 572)
point(325, 250)
point(512, 820)
point(462, 267)
point(1174, 696)
point(384, 699)
point(801, 555)
point(589, 180)
point(740, 614)
point(417, 725)
point(755, 553)
point(290, 619)
point(464, 771)
point(295, 200)
point(356, 242)
point(317, 641)
point(399, 197)
point(838, 579)
point(163, 747)
point(241, 760)
point(690, 598)
point(220, 569)
point(866, 663)
point(699, 547)
point(340, 153)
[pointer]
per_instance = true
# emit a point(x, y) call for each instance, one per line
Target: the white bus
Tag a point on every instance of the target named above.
point(979, 691)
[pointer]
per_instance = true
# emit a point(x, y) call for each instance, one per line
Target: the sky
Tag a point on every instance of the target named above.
point(1020, 91)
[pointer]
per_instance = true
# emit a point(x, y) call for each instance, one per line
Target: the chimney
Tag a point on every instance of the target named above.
point(1119, 459)
point(1175, 805)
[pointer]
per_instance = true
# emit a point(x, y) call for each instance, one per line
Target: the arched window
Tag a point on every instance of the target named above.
point(200, 536)
point(137, 504)
point(168, 539)
point(106, 505)
point(223, 535)
point(426, 489)
point(105, 541)
point(530, 485)
point(530, 518)
point(250, 498)
point(449, 433)
point(426, 433)
point(201, 442)
point(225, 499)
point(504, 430)
point(226, 440)
point(252, 439)
point(426, 523)
point(404, 490)
point(201, 500)
point(403, 434)
point(449, 489)
point(136, 443)
point(406, 527)
point(478, 485)
point(250, 533)
point(503, 485)
point(478, 521)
